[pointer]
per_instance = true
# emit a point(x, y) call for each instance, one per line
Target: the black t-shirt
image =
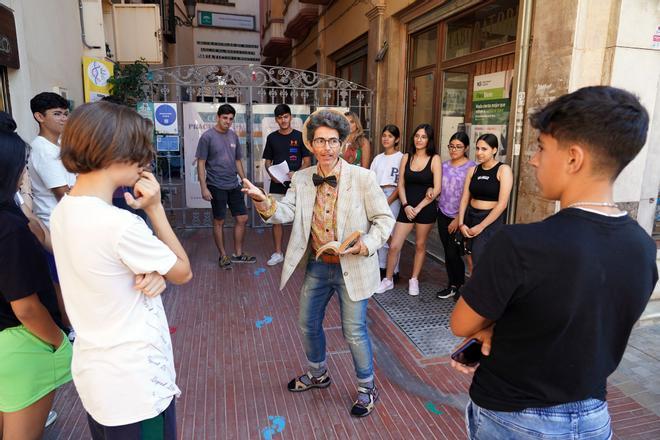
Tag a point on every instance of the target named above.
point(565, 294)
point(285, 147)
point(23, 268)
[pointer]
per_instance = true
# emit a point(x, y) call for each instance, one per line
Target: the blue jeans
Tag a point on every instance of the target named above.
point(586, 419)
point(322, 280)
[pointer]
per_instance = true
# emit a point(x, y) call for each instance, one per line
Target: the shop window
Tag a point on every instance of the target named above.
point(454, 107)
point(4, 91)
point(486, 27)
point(424, 48)
point(421, 101)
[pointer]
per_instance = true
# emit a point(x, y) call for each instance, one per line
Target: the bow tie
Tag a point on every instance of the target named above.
point(330, 180)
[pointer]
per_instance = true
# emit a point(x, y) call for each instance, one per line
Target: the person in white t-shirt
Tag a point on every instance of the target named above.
point(50, 180)
point(48, 177)
point(111, 270)
point(386, 166)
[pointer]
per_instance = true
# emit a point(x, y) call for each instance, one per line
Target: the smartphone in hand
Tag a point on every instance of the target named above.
point(469, 353)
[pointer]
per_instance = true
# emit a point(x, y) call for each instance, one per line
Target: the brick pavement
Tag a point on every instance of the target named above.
point(232, 374)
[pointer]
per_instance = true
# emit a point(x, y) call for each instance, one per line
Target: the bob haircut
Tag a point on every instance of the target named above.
point(13, 152)
point(430, 146)
point(394, 131)
point(102, 133)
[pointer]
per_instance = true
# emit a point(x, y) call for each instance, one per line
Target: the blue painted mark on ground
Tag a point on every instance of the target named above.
point(277, 425)
point(431, 407)
point(262, 322)
point(259, 230)
point(259, 271)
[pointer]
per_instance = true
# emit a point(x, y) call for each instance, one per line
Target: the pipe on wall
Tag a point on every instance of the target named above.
point(82, 28)
point(524, 43)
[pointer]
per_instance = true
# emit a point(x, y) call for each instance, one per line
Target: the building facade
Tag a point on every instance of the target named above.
point(482, 66)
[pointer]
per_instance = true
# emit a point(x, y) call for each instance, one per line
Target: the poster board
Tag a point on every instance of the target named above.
point(197, 118)
point(263, 124)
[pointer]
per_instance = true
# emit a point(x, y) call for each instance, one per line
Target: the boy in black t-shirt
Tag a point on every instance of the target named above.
point(285, 144)
point(559, 298)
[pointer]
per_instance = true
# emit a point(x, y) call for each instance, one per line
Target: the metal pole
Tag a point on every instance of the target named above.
point(524, 43)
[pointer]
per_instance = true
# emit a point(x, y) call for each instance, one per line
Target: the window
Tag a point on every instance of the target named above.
point(488, 26)
point(424, 47)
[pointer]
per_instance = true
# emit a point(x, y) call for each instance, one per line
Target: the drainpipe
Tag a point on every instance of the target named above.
point(82, 28)
point(524, 43)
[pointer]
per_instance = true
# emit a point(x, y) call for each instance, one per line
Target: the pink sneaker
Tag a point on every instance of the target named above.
point(385, 285)
point(413, 287)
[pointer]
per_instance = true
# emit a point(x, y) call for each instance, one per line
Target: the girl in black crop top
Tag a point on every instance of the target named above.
point(485, 197)
point(421, 171)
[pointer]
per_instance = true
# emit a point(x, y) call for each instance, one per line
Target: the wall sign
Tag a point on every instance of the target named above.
point(165, 118)
point(227, 21)
point(8, 43)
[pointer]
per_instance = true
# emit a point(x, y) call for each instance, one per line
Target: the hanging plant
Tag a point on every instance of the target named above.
point(127, 83)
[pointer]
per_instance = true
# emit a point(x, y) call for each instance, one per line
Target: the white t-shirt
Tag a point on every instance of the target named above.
point(386, 168)
point(122, 365)
point(46, 172)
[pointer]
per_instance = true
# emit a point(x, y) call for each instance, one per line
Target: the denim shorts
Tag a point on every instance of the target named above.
point(586, 419)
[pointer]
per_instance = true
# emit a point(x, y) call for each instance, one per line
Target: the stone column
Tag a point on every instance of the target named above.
point(376, 72)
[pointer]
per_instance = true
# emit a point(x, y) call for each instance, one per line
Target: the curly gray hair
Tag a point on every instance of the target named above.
point(331, 119)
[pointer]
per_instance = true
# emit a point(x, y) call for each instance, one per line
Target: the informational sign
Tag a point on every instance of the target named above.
point(167, 143)
point(491, 102)
point(197, 118)
point(165, 118)
point(263, 124)
point(96, 73)
point(146, 110)
point(227, 21)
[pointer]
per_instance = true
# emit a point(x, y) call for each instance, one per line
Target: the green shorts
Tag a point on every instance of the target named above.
point(29, 368)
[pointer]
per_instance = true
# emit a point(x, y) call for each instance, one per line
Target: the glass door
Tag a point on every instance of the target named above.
point(454, 110)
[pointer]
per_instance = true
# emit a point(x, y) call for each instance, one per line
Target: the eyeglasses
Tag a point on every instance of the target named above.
point(320, 142)
point(455, 147)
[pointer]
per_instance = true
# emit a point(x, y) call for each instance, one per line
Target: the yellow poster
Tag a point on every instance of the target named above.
point(96, 73)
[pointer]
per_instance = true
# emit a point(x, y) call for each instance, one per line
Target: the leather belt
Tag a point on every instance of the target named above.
point(329, 259)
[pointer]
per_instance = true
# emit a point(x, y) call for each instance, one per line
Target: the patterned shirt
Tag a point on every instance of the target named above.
point(324, 220)
point(453, 179)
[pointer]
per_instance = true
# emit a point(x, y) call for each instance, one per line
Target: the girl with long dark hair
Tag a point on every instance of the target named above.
point(485, 196)
point(386, 166)
point(35, 354)
point(454, 172)
point(421, 169)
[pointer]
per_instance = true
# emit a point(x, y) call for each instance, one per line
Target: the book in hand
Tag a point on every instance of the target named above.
point(336, 248)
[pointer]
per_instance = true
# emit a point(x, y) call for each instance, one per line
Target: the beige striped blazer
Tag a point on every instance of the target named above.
point(361, 205)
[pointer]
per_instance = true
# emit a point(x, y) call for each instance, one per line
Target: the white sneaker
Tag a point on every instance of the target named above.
point(52, 415)
point(385, 285)
point(276, 258)
point(413, 287)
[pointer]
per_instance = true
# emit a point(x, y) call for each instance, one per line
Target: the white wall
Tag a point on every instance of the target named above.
point(636, 67)
point(50, 50)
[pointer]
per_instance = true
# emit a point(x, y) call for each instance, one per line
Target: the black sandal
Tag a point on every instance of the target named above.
point(364, 407)
point(297, 385)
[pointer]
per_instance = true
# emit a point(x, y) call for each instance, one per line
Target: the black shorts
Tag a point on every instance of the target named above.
point(223, 197)
point(163, 426)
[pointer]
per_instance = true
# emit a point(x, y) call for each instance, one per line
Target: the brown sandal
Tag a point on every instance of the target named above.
point(297, 385)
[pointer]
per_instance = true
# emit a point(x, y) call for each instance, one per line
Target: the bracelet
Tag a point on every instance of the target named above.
point(404, 206)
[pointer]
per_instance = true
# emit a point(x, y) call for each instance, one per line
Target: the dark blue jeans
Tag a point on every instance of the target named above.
point(322, 280)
